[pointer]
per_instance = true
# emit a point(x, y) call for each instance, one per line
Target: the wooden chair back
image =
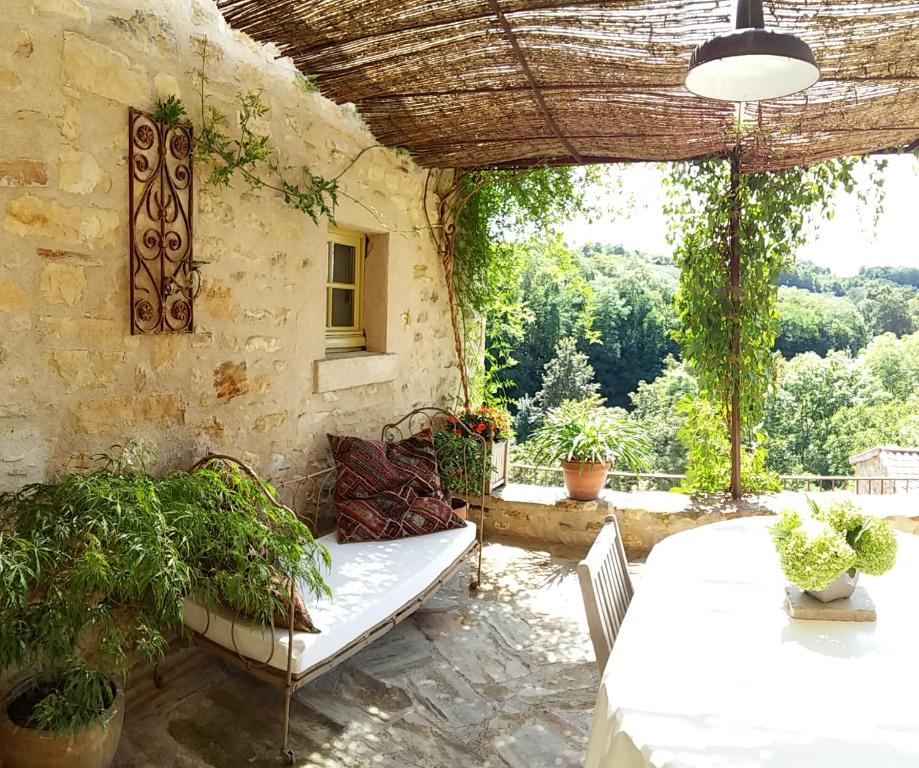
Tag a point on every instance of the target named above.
point(607, 589)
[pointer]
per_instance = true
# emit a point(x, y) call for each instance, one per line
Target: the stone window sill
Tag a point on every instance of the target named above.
point(345, 370)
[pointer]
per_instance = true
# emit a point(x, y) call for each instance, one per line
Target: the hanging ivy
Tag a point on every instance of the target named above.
point(484, 219)
point(778, 211)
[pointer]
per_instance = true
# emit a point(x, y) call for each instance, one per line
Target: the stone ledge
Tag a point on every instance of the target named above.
point(354, 369)
point(546, 514)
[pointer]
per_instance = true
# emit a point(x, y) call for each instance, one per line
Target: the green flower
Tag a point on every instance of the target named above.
point(842, 516)
point(833, 540)
point(814, 562)
point(876, 548)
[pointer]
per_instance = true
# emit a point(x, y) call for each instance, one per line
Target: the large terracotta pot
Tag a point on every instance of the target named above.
point(91, 747)
point(583, 479)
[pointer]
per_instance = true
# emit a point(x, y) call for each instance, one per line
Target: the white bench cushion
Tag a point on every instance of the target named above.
point(370, 581)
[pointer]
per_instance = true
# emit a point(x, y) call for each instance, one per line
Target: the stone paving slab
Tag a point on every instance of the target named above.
point(502, 679)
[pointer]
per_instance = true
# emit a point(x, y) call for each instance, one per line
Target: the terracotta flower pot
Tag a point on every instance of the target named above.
point(460, 507)
point(584, 479)
point(91, 747)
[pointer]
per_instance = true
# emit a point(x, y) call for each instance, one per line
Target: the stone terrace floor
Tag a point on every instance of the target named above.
point(504, 678)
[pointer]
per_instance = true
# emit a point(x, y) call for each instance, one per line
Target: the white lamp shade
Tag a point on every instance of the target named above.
point(751, 65)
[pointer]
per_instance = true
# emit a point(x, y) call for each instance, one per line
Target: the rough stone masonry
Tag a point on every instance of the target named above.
point(254, 379)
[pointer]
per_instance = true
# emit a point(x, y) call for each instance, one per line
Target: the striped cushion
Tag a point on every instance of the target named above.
point(389, 491)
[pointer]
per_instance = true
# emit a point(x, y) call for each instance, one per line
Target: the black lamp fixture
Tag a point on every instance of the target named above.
point(751, 64)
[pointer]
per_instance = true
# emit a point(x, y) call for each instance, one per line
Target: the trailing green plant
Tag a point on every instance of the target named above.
point(816, 550)
point(459, 461)
point(708, 451)
point(251, 156)
point(727, 335)
point(585, 431)
point(94, 570)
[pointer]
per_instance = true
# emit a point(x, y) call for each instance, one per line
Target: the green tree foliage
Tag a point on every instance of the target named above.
point(500, 214)
point(567, 376)
point(885, 306)
point(811, 277)
point(654, 404)
point(900, 275)
point(634, 319)
point(817, 322)
point(774, 208)
point(857, 428)
point(551, 301)
point(708, 452)
point(798, 416)
point(895, 362)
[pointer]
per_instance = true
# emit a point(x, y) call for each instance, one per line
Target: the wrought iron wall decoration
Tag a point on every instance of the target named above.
point(164, 277)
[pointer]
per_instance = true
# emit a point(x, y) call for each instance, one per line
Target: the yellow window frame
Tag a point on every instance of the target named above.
point(339, 338)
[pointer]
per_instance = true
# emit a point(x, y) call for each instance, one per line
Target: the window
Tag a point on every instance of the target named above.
point(344, 330)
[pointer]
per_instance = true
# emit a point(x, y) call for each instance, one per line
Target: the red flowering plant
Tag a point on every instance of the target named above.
point(489, 422)
point(459, 456)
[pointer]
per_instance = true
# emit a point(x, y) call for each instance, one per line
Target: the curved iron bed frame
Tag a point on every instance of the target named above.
point(314, 489)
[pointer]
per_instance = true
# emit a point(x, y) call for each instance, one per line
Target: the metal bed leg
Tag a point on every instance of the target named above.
point(288, 683)
point(475, 582)
point(286, 752)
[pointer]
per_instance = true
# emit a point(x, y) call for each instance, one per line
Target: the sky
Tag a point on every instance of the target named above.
point(843, 244)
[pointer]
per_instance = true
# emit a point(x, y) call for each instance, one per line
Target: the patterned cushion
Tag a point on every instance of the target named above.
point(303, 622)
point(389, 490)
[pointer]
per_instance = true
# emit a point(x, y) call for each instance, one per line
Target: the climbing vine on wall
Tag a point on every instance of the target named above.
point(778, 211)
point(250, 156)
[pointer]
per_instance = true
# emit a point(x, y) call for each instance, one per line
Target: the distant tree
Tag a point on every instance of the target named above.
point(654, 405)
point(859, 427)
point(810, 277)
point(885, 306)
point(634, 319)
point(567, 376)
point(818, 322)
point(900, 275)
point(895, 362)
point(798, 413)
point(558, 302)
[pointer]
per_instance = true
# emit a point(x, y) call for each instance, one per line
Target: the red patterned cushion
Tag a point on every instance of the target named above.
point(389, 490)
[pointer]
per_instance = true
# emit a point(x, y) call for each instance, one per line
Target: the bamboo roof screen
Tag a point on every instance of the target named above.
point(492, 83)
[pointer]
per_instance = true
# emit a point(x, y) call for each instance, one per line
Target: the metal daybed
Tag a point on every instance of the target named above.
point(374, 586)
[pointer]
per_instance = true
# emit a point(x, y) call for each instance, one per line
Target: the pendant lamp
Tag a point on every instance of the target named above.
point(751, 64)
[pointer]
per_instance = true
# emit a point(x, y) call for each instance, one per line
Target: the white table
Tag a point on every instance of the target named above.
point(709, 671)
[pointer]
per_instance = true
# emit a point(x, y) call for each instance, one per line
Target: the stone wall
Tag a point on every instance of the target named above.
point(547, 515)
point(73, 380)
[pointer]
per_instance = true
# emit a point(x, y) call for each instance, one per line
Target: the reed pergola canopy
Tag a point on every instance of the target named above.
point(511, 83)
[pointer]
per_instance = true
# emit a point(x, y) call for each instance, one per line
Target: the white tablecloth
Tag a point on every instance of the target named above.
point(709, 671)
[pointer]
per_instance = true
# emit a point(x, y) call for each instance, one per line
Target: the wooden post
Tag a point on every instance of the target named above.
point(734, 288)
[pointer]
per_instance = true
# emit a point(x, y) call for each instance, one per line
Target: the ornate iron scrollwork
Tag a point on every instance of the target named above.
point(163, 279)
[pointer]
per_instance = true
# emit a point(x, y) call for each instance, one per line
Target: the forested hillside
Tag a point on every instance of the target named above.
point(601, 318)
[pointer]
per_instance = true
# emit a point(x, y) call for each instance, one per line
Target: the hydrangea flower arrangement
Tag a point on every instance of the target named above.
point(815, 551)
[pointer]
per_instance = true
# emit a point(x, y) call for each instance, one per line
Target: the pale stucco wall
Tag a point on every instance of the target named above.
point(73, 380)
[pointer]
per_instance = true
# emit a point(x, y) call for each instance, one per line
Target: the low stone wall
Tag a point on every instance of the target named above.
point(543, 514)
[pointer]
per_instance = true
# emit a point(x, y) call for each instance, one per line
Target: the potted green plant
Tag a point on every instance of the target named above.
point(824, 552)
point(588, 438)
point(94, 570)
point(494, 425)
